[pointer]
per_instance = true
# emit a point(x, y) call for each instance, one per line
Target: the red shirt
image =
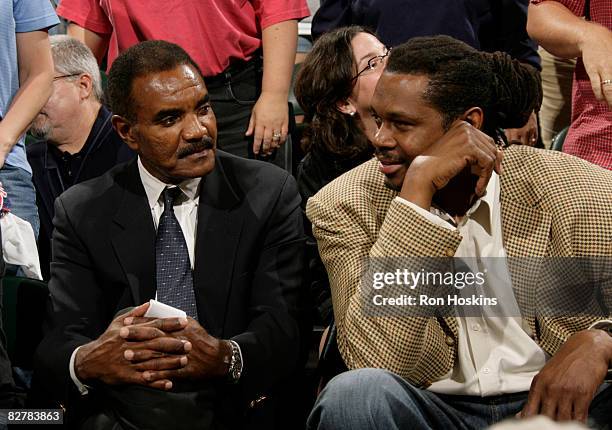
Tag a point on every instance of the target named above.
point(590, 135)
point(213, 32)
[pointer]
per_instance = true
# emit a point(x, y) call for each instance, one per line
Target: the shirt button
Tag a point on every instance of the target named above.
point(450, 341)
point(476, 327)
point(486, 370)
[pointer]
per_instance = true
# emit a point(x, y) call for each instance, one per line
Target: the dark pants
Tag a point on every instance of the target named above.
point(10, 396)
point(135, 407)
point(233, 94)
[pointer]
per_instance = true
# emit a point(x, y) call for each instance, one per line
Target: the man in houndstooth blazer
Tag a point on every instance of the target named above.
point(552, 205)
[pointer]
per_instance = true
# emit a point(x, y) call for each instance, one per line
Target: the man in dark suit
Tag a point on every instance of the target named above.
point(230, 229)
point(77, 140)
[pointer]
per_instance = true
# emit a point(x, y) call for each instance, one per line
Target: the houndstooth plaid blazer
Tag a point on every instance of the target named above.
point(552, 205)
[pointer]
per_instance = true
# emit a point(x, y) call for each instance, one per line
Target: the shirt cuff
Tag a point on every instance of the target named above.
point(426, 214)
point(83, 389)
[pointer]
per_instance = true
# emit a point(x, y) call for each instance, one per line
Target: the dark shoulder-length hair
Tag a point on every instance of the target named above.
point(326, 78)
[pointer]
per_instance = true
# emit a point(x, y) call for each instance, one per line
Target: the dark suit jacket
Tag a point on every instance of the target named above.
point(247, 272)
point(103, 150)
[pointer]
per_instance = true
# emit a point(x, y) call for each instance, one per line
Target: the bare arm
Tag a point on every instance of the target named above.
point(270, 113)
point(557, 29)
point(35, 78)
point(563, 34)
point(98, 43)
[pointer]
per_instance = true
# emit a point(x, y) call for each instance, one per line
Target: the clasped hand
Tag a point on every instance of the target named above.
point(151, 351)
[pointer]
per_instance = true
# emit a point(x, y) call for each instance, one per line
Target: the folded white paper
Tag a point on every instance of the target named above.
point(161, 310)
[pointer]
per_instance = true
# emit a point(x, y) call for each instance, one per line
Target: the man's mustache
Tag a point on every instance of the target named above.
point(192, 148)
point(388, 158)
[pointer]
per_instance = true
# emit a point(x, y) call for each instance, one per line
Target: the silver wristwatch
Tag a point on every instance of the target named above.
point(235, 364)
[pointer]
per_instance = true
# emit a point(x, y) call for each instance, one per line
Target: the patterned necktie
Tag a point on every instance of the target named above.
point(173, 270)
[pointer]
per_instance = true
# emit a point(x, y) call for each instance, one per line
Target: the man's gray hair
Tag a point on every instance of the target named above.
point(72, 57)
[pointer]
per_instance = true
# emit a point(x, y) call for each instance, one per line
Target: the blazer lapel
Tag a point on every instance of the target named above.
point(218, 234)
point(133, 236)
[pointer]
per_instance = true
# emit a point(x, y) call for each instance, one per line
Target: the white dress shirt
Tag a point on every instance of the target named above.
point(185, 206)
point(495, 354)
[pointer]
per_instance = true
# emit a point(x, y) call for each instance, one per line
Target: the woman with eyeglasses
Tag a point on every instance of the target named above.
point(334, 88)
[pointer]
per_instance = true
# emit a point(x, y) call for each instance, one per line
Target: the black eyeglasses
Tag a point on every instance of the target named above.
point(374, 63)
point(66, 76)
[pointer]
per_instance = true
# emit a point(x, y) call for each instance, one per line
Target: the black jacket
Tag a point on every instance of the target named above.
point(247, 276)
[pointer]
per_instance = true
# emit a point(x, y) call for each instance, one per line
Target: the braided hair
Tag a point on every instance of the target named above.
point(460, 77)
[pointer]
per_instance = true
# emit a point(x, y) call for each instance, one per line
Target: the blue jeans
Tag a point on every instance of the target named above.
point(378, 399)
point(21, 193)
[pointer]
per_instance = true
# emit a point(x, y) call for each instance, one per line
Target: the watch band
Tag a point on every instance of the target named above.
point(235, 365)
point(603, 325)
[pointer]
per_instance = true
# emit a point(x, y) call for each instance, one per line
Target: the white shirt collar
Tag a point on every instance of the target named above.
point(482, 209)
point(154, 187)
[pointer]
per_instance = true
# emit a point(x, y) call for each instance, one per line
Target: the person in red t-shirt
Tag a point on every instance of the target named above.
point(559, 28)
point(226, 39)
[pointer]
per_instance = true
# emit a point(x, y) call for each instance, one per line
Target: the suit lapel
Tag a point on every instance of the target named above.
point(133, 236)
point(217, 238)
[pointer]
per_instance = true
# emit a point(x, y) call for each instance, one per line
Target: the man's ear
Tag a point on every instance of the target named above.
point(125, 130)
point(474, 116)
point(85, 86)
point(346, 107)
